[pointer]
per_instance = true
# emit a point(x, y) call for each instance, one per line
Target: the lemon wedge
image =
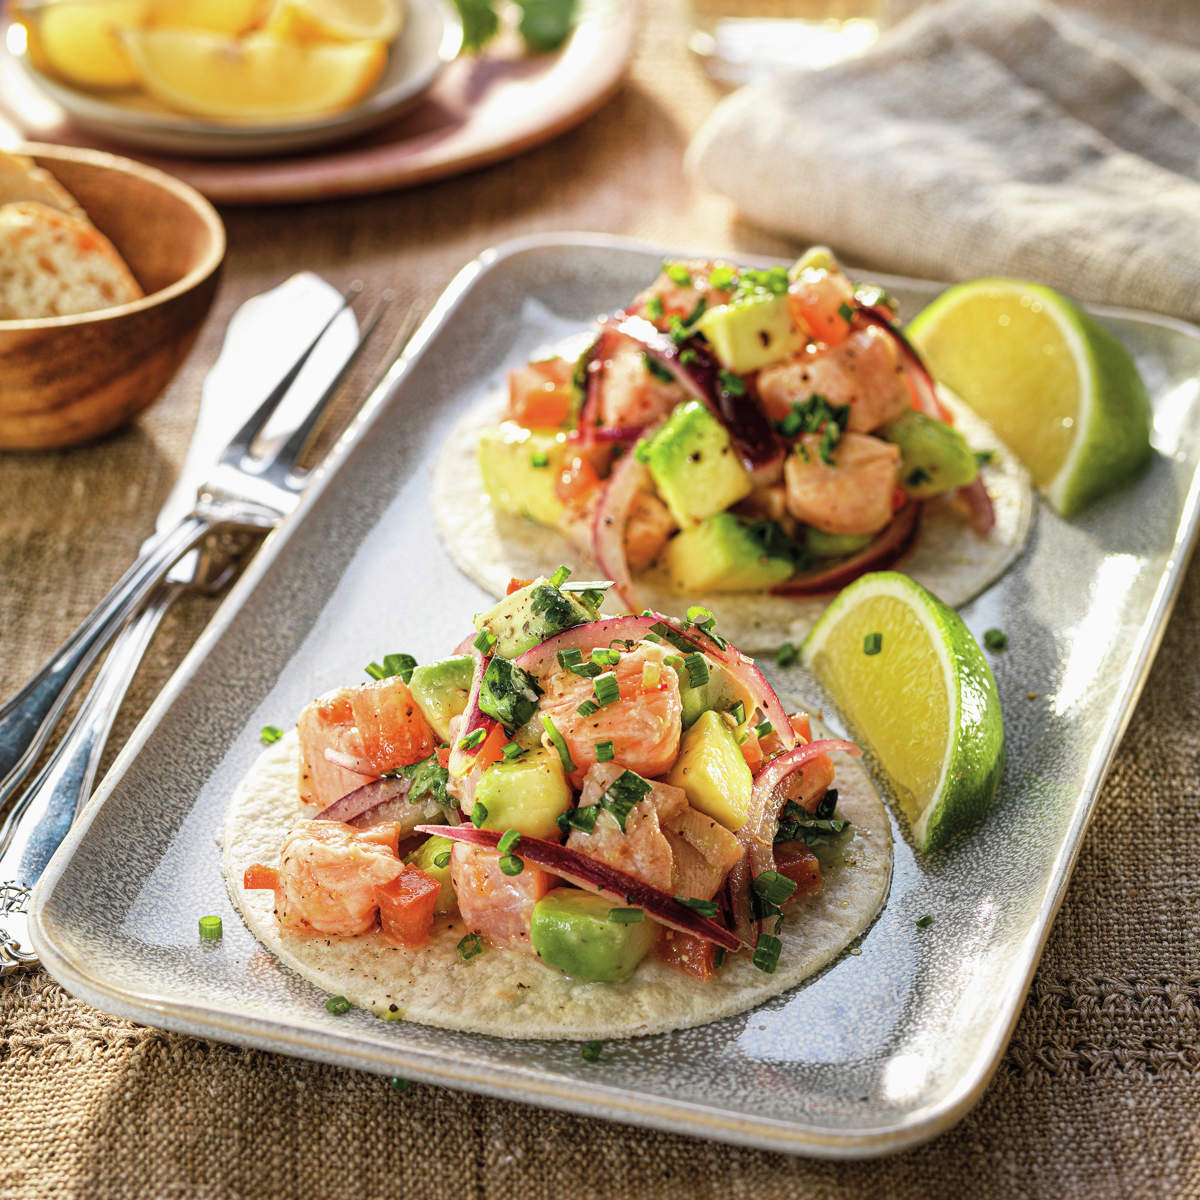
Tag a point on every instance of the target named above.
point(217, 16)
point(337, 20)
point(257, 78)
point(81, 41)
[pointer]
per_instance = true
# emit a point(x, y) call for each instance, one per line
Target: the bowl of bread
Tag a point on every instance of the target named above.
point(107, 271)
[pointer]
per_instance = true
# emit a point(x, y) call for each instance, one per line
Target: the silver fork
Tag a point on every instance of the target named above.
point(43, 812)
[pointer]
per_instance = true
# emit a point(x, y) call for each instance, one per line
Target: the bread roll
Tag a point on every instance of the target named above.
point(53, 264)
point(22, 179)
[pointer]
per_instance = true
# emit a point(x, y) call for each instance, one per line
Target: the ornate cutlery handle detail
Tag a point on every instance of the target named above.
point(15, 949)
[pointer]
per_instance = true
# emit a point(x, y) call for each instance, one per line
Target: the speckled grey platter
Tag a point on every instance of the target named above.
point(881, 1050)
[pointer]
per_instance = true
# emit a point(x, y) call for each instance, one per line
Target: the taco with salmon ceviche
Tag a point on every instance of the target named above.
point(575, 826)
point(753, 439)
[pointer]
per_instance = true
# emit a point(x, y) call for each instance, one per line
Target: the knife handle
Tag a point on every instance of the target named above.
point(28, 719)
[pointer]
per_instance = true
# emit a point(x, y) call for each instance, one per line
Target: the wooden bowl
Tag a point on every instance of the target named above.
point(66, 380)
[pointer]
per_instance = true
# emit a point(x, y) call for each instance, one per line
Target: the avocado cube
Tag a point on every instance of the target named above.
point(712, 771)
point(752, 333)
point(520, 467)
point(723, 554)
point(574, 931)
point(834, 545)
point(423, 856)
point(717, 692)
point(441, 690)
point(530, 616)
point(935, 457)
point(694, 465)
point(527, 794)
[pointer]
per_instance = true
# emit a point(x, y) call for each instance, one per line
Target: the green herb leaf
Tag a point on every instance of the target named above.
point(559, 743)
point(400, 1085)
point(654, 308)
point(484, 641)
point(472, 740)
point(393, 664)
point(560, 577)
point(706, 908)
point(508, 693)
point(626, 916)
point(338, 1005)
point(539, 459)
point(846, 312)
point(545, 24)
point(656, 369)
point(429, 779)
point(697, 669)
point(738, 713)
point(442, 861)
point(873, 643)
point(995, 639)
point(721, 279)
point(592, 1051)
point(731, 384)
point(678, 274)
point(774, 888)
point(269, 734)
point(924, 922)
point(622, 795)
point(479, 814)
point(479, 21)
point(582, 818)
point(766, 952)
point(786, 655)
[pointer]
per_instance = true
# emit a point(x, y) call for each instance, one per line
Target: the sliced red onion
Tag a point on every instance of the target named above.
point(751, 433)
point(595, 876)
point(463, 780)
point(885, 548)
point(608, 524)
point(618, 433)
point(589, 414)
point(758, 831)
point(363, 799)
point(915, 369)
point(349, 762)
point(978, 503)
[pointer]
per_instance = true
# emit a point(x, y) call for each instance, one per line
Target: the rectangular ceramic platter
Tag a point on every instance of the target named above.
point(880, 1051)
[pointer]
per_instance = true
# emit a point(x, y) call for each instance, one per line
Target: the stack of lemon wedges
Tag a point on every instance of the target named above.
point(259, 61)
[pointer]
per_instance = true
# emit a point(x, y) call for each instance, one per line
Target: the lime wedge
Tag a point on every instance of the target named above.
point(1056, 386)
point(913, 685)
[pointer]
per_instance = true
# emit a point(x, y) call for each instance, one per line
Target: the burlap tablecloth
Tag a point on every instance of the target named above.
point(1099, 1092)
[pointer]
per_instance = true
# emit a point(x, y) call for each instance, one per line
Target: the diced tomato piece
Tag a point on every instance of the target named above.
point(797, 861)
point(576, 479)
point(801, 726)
point(820, 303)
point(752, 752)
point(899, 498)
point(258, 876)
point(539, 393)
point(443, 755)
point(515, 585)
point(406, 907)
point(693, 955)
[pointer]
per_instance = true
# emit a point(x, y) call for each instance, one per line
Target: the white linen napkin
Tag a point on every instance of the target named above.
point(983, 137)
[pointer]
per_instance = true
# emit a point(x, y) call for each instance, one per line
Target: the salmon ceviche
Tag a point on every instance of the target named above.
point(735, 430)
point(590, 791)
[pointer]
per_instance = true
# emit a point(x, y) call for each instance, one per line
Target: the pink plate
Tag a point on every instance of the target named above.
point(481, 109)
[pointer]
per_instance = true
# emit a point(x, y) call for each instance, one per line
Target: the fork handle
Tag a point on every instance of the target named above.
point(27, 720)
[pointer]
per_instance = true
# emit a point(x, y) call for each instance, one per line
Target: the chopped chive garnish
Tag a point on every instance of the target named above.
point(606, 689)
point(210, 928)
point(510, 864)
point(512, 750)
point(731, 384)
point(400, 1085)
point(786, 655)
point(651, 637)
point(587, 708)
point(916, 477)
point(924, 922)
point(678, 274)
point(582, 818)
point(560, 577)
point(995, 639)
point(626, 916)
point(766, 952)
point(484, 641)
point(687, 356)
point(846, 312)
point(592, 1051)
point(654, 307)
point(983, 457)
point(697, 670)
point(559, 744)
point(655, 369)
point(674, 660)
point(470, 946)
point(721, 278)
point(706, 908)
point(539, 459)
point(701, 617)
point(605, 751)
point(442, 861)
point(338, 1005)
point(569, 658)
point(269, 734)
point(472, 739)
point(873, 643)
point(774, 888)
point(763, 728)
point(508, 841)
point(393, 664)
point(479, 814)
point(606, 657)
point(738, 713)
point(587, 670)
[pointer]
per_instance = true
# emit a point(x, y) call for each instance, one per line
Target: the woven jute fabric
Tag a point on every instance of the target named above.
point(1098, 1094)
